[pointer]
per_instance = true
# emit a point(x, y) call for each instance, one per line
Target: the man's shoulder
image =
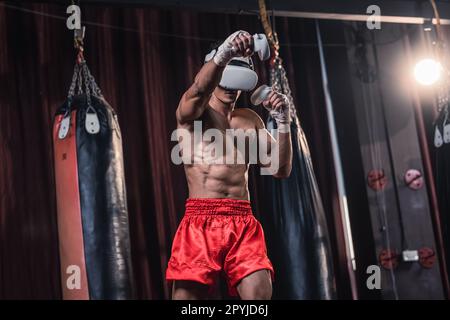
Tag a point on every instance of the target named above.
point(249, 115)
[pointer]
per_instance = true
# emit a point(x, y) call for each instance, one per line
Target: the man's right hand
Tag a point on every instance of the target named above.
point(195, 100)
point(239, 44)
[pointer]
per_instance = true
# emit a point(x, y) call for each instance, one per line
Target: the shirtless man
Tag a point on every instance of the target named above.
point(218, 234)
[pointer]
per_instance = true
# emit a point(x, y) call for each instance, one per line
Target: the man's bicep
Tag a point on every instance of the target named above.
point(191, 106)
point(265, 144)
point(263, 134)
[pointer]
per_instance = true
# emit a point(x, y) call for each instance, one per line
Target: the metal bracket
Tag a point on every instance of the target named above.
point(438, 141)
point(410, 255)
point(64, 127)
point(92, 124)
point(447, 133)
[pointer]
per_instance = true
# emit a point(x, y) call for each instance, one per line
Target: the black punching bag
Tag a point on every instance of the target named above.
point(299, 241)
point(93, 228)
point(442, 175)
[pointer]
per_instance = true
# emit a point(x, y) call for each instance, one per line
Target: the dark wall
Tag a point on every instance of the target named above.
point(372, 88)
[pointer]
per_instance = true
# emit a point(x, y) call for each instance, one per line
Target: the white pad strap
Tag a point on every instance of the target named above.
point(284, 127)
point(226, 51)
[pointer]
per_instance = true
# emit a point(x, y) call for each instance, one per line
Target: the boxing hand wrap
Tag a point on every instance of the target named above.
point(226, 51)
point(282, 117)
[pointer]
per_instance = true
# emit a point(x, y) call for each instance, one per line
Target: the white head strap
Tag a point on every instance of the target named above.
point(239, 73)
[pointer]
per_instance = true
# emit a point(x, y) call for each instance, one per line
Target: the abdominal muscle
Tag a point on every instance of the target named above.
point(218, 181)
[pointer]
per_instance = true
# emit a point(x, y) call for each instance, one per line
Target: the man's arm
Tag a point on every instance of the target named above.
point(284, 146)
point(278, 107)
point(195, 100)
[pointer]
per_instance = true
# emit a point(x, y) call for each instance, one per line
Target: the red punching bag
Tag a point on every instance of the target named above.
point(92, 216)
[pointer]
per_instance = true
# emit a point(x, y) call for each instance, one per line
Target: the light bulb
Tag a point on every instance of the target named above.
point(427, 71)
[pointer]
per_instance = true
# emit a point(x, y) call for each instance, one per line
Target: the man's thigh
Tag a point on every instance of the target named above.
point(256, 286)
point(189, 290)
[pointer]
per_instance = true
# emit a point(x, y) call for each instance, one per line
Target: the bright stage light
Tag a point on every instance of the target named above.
point(427, 71)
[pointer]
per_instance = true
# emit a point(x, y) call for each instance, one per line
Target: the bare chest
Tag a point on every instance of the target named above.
point(219, 141)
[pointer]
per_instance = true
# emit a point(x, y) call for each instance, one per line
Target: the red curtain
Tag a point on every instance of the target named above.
point(143, 60)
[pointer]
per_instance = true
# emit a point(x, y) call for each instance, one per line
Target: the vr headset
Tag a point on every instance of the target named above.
point(239, 74)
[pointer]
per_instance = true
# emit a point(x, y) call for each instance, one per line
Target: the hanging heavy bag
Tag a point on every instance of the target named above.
point(93, 228)
point(442, 174)
point(299, 239)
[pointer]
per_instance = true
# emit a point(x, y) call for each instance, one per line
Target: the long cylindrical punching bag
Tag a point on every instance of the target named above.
point(93, 227)
point(299, 240)
point(442, 174)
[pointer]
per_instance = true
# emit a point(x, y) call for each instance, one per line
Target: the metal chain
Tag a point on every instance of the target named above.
point(80, 82)
point(442, 54)
point(83, 82)
point(279, 82)
point(443, 89)
point(86, 83)
point(95, 88)
point(73, 83)
point(443, 98)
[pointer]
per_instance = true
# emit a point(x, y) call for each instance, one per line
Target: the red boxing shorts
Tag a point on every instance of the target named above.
point(218, 236)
